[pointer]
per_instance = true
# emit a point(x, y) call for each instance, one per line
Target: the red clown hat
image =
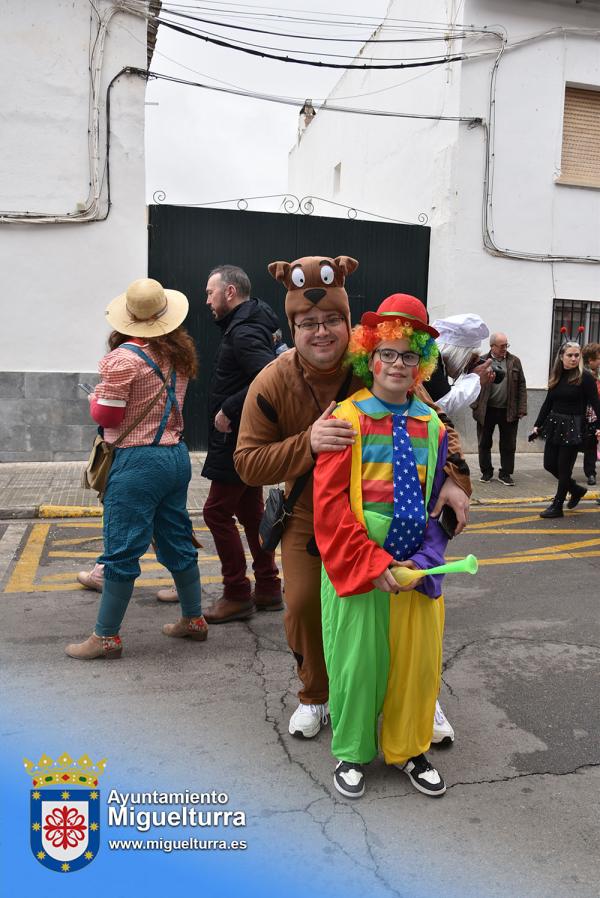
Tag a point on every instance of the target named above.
point(403, 307)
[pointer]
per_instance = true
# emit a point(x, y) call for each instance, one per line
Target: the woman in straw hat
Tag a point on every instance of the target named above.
point(151, 355)
point(382, 641)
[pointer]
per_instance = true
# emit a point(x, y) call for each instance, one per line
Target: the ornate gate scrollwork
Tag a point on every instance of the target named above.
point(293, 205)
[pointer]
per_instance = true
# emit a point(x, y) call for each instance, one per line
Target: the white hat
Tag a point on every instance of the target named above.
point(466, 330)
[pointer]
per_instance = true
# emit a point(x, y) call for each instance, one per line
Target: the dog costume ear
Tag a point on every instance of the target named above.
point(346, 264)
point(280, 271)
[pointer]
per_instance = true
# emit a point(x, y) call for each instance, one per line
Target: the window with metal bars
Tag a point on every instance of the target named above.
point(573, 314)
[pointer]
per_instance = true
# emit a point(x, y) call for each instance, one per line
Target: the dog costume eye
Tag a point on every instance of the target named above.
point(327, 274)
point(298, 278)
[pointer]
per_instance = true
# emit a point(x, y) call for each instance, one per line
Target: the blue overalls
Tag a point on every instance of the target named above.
point(146, 497)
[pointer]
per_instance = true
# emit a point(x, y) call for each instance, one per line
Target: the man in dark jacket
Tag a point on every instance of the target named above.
point(247, 326)
point(502, 402)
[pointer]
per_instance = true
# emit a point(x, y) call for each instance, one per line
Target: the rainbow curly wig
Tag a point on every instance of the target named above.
point(363, 340)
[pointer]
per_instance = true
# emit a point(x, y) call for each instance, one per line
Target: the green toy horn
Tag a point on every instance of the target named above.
point(468, 565)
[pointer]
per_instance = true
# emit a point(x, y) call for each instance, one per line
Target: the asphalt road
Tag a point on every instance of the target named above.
point(521, 673)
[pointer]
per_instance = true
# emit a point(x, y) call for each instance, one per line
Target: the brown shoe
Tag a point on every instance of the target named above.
point(93, 579)
point(168, 594)
point(225, 610)
point(268, 603)
point(194, 627)
point(96, 647)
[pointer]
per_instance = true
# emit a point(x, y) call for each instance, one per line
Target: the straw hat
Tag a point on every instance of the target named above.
point(147, 309)
point(403, 307)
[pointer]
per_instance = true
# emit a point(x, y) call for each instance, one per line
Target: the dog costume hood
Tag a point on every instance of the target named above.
point(315, 282)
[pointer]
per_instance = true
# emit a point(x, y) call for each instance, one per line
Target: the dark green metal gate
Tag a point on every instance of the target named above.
point(186, 242)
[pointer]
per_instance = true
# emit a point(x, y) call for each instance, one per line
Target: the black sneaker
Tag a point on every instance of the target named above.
point(486, 478)
point(423, 776)
point(349, 779)
point(506, 479)
point(591, 480)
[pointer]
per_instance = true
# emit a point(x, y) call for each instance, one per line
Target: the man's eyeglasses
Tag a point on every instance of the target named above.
point(389, 356)
point(311, 325)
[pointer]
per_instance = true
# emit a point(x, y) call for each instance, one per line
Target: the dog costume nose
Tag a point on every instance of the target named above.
point(315, 294)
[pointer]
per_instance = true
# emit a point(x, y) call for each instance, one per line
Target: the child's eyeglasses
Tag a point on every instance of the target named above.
point(389, 356)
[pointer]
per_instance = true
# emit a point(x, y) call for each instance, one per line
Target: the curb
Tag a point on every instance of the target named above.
point(25, 512)
point(69, 511)
point(16, 512)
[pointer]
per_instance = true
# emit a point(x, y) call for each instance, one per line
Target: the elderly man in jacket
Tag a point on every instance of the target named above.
point(501, 403)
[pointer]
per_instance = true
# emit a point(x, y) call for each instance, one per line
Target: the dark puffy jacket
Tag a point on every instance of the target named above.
point(246, 347)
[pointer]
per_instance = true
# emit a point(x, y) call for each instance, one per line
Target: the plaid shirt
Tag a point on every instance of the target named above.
point(127, 377)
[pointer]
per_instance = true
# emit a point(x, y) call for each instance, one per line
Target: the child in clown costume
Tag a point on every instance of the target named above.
point(383, 642)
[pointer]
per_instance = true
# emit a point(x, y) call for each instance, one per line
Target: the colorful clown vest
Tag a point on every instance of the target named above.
point(379, 471)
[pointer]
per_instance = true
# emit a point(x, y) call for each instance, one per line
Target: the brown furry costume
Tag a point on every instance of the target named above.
point(273, 446)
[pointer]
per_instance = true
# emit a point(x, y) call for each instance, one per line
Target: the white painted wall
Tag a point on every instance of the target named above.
point(399, 168)
point(56, 279)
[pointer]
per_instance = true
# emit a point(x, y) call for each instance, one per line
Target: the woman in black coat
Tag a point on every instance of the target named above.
point(561, 422)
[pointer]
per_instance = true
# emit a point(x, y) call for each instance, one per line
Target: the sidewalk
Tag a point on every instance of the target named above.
point(53, 489)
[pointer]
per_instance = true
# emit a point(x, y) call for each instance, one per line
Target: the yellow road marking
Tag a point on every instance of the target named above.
point(22, 578)
point(61, 553)
point(527, 559)
point(140, 583)
point(75, 542)
point(96, 525)
point(561, 547)
point(550, 530)
point(500, 523)
point(486, 525)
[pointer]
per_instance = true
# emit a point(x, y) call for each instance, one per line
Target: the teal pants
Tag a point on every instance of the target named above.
point(146, 497)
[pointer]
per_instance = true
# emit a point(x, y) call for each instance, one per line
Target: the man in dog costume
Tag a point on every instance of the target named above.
point(286, 422)
point(383, 642)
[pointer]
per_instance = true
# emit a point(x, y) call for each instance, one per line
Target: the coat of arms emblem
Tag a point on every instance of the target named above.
point(65, 811)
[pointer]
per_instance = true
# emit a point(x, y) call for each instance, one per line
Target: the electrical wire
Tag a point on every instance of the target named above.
point(317, 100)
point(309, 62)
point(314, 37)
point(489, 240)
point(202, 34)
point(326, 107)
point(240, 9)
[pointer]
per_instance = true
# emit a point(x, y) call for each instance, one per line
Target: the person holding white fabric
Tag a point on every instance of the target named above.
point(459, 344)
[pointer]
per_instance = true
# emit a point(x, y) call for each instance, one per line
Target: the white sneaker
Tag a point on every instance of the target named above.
point(307, 720)
point(442, 729)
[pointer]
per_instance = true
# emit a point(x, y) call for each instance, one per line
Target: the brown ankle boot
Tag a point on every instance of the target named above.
point(96, 647)
point(194, 627)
